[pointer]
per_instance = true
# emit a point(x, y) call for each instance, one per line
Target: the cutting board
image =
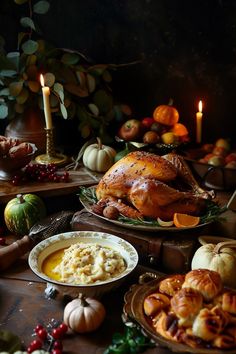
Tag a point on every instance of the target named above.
point(80, 177)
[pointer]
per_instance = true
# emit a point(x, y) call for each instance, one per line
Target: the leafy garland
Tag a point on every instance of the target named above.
point(132, 341)
point(214, 210)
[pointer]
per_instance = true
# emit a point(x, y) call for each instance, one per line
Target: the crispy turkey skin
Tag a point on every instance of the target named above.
point(143, 184)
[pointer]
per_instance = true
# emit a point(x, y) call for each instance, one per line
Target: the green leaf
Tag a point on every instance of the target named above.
point(41, 7)
point(63, 111)
point(3, 111)
point(5, 92)
point(27, 22)
point(15, 88)
point(29, 47)
point(49, 79)
point(14, 58)
point(23, 96)
point(59, 89)
point(94, 109)
point(21, 36)
point(98, 69)
point(8, 73)
point(91, 82)
point(70, 58)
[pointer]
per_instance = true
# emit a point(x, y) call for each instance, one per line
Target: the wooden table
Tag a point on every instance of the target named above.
point(23, 306)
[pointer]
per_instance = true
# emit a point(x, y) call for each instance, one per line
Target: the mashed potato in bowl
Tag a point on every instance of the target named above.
point(86, 263)
point(48, 254)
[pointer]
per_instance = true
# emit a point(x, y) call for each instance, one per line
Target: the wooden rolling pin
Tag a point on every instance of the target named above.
point(51, 225)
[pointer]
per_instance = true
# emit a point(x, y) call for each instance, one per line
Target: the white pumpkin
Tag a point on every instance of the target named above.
point(84, 314)
point(99, 157)
point(219, 257)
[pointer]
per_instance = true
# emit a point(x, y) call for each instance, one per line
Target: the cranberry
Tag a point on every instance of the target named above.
point(42, 333)
point(57, 345)
point(36, 344)
point(38, 327)
point(56, 351)
point(63, 328)
point(57, 333)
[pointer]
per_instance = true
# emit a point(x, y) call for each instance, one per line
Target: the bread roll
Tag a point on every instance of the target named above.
point(229, 302)
point(154, 303)
point(207, 282)
point(172, 284)
point(209, 323)
point(186, 304)
point(224, 341)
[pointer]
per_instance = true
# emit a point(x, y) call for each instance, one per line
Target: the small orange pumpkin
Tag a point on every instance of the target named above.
point(166, 114)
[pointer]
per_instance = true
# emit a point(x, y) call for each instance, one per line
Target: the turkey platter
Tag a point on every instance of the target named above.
point(145, 186)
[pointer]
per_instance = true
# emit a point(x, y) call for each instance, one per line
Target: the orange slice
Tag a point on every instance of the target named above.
point(185, 220)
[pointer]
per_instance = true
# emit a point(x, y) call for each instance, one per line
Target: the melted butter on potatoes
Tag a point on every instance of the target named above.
point(86, 264)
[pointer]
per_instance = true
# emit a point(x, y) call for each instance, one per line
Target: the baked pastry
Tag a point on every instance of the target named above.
point(200, 314)
point(154, 303)
point(229, 302)
point(20, 150)
point(186, 304)
point(209, 323)
point(224, 341)
point(207, 282)
point(172, 284)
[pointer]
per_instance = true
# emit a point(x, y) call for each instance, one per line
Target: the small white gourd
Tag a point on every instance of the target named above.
point(99, 157)
point(219, 257)
point(84, 314)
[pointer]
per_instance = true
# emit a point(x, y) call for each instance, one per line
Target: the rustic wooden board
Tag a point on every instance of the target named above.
point(80, 177)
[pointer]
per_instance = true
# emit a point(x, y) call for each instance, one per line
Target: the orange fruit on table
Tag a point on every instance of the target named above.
point(185, 220)
point(179, 129)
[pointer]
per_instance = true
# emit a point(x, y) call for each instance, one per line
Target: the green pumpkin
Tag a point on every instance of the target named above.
point(22, 212)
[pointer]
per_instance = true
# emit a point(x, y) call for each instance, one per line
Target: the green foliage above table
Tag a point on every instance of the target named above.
point(79, 89)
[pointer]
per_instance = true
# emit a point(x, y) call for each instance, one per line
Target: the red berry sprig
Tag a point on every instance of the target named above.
point(49, 338)
point(40, 173)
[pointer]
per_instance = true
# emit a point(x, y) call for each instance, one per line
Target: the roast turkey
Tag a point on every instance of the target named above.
point(143, 184)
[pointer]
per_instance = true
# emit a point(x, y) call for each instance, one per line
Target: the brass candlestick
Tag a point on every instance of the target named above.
point(51, 156)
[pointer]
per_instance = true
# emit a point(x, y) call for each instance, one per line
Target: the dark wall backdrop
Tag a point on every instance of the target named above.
point(185, 49)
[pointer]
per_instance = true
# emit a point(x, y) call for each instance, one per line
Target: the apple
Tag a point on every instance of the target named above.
point(131, 130)
point(151, 137)
point(147, 122)
point(231, 164)
point(230, 157)
point(159, 128)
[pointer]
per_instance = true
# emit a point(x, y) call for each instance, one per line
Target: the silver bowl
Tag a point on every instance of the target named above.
point(61, 241)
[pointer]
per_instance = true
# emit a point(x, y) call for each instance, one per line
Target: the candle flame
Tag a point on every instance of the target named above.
point(41, 80)
point(200, 106)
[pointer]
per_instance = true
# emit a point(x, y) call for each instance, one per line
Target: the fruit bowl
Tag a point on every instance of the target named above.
point(59, 242)
point(158, 148)
point(9, 166)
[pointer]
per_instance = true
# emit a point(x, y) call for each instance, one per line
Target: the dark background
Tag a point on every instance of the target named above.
point(185, 50)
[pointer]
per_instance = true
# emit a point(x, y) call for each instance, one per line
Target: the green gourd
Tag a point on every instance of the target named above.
point(22, 212)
